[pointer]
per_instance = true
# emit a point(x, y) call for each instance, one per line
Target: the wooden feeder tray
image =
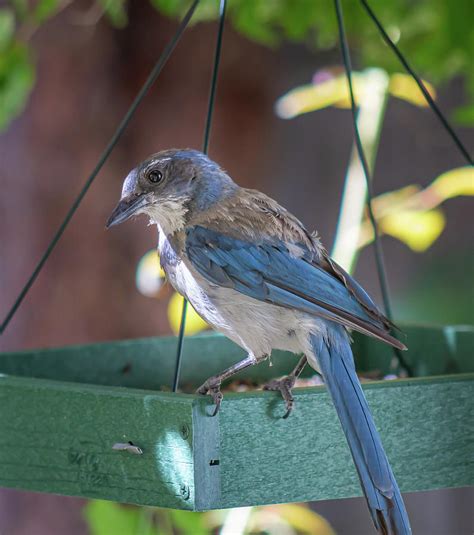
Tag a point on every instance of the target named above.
point(62, 411)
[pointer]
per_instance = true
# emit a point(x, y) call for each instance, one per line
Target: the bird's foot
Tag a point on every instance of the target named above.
point(212, 387)
point(285, 386)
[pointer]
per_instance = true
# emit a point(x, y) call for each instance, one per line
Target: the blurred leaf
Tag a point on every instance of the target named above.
point(107, 518)
point(115, 11)
point(303, 519)
point(20, 7)
point(189, 522)
point(442, 292)
point(418, 229)
point(206, 9)
point(297, 22)
point(170, 7)
point(150, 276)
point(387, 202)
point(194, 322)
point(334, 91)
point(436, 38)
point(453, 183)
point(255, 19)
point(44, 10)
point(314, 97)
point(403, 86)
point(464, 115)
point(7, 28)
point(16, 81)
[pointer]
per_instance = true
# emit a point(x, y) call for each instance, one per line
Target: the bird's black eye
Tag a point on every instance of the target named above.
point(155, 176)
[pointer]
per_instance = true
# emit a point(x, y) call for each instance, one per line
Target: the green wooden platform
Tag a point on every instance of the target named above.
point(62, 410)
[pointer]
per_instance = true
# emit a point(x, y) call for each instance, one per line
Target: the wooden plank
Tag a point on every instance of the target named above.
point(149, 363)
point(206, 449)
point(58, 438)
point(426, 427)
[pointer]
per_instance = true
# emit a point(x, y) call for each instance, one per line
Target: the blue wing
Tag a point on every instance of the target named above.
point(269, 272)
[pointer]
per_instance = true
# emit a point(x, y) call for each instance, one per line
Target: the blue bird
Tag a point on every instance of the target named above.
point(254, 273)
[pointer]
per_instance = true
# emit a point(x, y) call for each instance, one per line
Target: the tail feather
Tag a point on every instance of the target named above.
point(375, 474)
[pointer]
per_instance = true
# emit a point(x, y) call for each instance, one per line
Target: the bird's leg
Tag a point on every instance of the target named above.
point(286, 384)
point(213, 385)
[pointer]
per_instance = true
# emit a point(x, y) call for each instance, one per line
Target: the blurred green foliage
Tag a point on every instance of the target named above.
point(109, 518)
point(16, 70)
point(441, 294)
point(437, 38)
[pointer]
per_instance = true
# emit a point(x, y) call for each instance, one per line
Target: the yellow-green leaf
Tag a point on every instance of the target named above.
point(418, 229)
point(304, 520)
point(194, 322)
point(150, 276)
point(389, 201)
point(314, 97)
point(288, 518)
point(404, 86)
point(453, 183)
point(105, 518)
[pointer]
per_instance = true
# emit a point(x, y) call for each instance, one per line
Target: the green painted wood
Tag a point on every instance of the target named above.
point(59, 418)
point(149, 363)
point(58, 438)
point(426, 427)
point(207, 456)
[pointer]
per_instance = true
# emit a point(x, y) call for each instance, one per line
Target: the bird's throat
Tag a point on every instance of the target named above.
point(169, 215)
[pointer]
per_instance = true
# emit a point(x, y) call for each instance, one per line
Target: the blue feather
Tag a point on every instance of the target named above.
point(376, 477)
point(275, 263)
point(259, 269)
point(267, 271)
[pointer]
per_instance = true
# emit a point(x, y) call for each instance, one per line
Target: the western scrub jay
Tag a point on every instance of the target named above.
point(254, 273)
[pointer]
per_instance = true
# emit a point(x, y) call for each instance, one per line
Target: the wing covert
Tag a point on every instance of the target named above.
point(269, 272)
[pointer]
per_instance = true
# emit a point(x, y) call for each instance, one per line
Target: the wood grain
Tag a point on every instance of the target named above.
point(426, 427)
point(58, 438)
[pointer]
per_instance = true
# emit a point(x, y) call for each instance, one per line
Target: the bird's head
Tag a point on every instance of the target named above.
point(169, 186)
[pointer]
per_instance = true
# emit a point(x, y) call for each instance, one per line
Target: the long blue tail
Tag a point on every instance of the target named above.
point(376, 477)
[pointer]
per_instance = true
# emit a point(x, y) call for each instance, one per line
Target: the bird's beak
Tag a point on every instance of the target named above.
point(126, 208)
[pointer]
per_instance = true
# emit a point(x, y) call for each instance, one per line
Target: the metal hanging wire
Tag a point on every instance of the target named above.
point(144, 90)
point(155, 72)
point(382, 275)
point(419, 82)
point(205, 146)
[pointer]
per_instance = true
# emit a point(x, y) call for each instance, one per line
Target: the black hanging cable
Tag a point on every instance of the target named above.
point(205, 146)
point(103, 158)
point(419, 82)
point(360, 150)
point(215, 73)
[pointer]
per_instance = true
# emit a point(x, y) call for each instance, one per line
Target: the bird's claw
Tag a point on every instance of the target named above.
point(284, 386)
point(213, 389)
